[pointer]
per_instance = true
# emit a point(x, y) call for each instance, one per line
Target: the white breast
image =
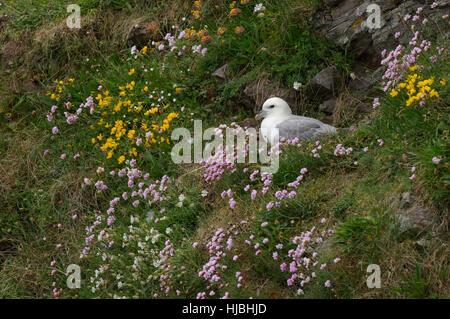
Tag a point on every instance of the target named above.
point(267, 126)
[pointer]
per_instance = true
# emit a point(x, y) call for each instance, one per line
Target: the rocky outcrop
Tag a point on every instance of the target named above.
point(414, 218)
point(144, 32)
point(259, 90)
point(352, 24)
point(221, 73)
point(326, 83)
point(328, 106)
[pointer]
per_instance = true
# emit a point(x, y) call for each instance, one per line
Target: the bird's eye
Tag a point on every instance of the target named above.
point(271, 107)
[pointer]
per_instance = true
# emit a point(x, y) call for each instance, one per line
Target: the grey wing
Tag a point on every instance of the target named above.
point(302, 128)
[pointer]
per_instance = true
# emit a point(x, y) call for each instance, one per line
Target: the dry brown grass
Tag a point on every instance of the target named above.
point(26, 257)
point(19, 160)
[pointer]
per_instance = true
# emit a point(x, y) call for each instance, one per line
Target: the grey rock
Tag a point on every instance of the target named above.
point(415, 221)
point(362, 78)
point(407, 199)
point(221, 72)
point(345, 23)
point(259, 90)
point(142, 32)
point(328, 106)
point(326, 82)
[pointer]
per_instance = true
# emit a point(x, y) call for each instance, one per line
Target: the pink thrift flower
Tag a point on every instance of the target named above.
point(232, 203)
point(293, 266)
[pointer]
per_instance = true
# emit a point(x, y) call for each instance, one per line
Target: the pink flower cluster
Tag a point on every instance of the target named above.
point(304, 264)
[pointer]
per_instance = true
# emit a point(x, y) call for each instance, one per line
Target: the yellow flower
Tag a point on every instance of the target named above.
point(133, 152)
point(196, 14)
point(131, 72)
point(117, 107)
point(357, 23)
point(144, 50)
point(202, 33)
point(221, 30)
point(244, 1)
point(413, 68)
point(434, 93)
point(197, 4)
point(234, 12)
point(121, 159)
point(394, 93)
point(178, 90)
point(443, 82)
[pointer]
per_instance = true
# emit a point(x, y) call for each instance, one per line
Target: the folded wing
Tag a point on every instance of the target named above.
point(304, 128)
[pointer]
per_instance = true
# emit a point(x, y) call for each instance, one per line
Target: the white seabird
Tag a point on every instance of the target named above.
point(278, 115)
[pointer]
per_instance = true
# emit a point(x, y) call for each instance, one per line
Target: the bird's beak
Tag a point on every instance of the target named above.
point(260, 115)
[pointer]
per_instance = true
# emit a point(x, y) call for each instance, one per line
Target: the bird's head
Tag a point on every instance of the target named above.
point(274, 107)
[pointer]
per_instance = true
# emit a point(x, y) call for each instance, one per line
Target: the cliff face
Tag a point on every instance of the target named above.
point(353, 23)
